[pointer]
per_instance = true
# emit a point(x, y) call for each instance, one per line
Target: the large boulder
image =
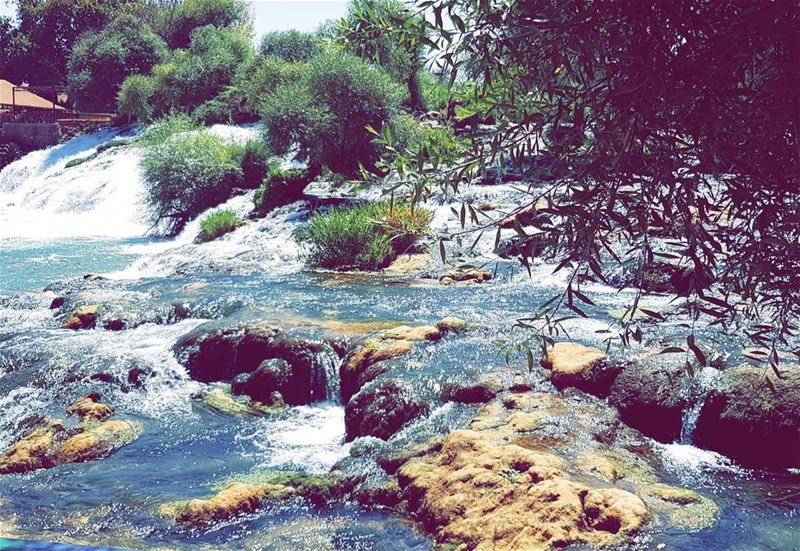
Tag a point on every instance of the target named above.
point(382, 409)
point(582, 367)
point(97, 441)
point(478, 494)
point(651, 396)
point(272, 376)
point(222, 354)
point(32, 451)
point(753, 416)
point(84, 317)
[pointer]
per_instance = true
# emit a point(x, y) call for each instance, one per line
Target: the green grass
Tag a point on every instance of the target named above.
point(218, 224)
point(363, 237)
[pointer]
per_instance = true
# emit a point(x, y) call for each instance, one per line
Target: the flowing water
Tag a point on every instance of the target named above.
point(58, 224)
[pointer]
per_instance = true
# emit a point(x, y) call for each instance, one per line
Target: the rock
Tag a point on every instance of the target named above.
point(272, 376)
point(89, 408)
point(381, 410)
point(218, 399)
point(651, 396)
point(31, 452)
point(222, 354)
point(754, 417)
point(114, 324)
point(477, 393)
point(582, 367)
point(489, 205)
point(93, 277)
point(235, 500)
point(357, 369)
point(465, 275)
point(413, 334)
point(84, 317)
point(482, 495)
point(97, 441)
point(136, 376)
point(452, 325)
point(57, 302)
point(409, 264)
point(684, 509)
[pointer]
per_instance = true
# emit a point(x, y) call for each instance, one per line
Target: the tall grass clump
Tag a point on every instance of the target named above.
point(363, 237)
point(218, 224)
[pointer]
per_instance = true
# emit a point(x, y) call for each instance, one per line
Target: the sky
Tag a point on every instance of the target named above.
point(275, 15)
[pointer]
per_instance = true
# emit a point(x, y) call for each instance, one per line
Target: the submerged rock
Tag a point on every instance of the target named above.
point(754, 417)
point(218, 398)
point(651, 396)
point(97, 441)
point(574, 365)
point(235, 500)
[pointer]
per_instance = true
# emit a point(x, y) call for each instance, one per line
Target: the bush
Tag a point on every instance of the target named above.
point(163, 129)
point(190, 78)
point(218, 224)
point(364, 237)
point(186, 175)
point(290, 45)
point(259, 77)
point(188, 15)
point(255, 164)
point(325, 114)
point(282, 187)
point(100, 62)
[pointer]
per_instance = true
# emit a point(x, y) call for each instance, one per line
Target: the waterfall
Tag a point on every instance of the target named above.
point(47, 194)
point(704, 382)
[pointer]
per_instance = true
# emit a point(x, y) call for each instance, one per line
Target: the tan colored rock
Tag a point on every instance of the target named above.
point(96, 442)
point(484, 495)
point(452, 325)
point(235, 500)
point(471, 275)
point(354, 371)
point(489, 205)
point(89, 408)
point(84, 317)
point(574, 365)
point(32, 451)
point(413, 334)
point(408, 264)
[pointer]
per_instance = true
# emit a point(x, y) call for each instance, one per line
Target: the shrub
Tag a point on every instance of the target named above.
point(188, 15)
point(255, 164)
point(281, 187)
point(325, 114)
point(163, 129)
point(364, 237)
point(185, 175)
point(101, 61)
point(290, 45)
point(135, 96)
point(218, 224)
point(259, 77)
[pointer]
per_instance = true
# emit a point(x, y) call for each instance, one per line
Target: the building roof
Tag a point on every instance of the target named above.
point(23, 98)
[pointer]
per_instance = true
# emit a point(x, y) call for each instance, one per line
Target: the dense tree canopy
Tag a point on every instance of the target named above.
point(676, 119)
point(100, 61)
point(290, 45)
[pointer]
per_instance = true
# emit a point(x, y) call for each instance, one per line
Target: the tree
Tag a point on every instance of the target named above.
point(367, 32)
point(47, 31)
point(290, 45)
point(190, 77)
point(325, 114)
point(677, 118)
point(177, 22)
point(100, 61)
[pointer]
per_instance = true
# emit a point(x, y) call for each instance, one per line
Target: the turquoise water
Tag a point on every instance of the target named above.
point(27, 265)
point(19, 545)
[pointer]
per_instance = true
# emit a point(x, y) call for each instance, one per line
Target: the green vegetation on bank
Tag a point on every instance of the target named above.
point(362, 237)
point(218, 224)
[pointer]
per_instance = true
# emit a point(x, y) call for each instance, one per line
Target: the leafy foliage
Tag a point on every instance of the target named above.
point(363, 237)
point(364, 33)
point(660, 112)
point(325, 114)
point(218, 224)
point(281, 187)
point(291, 46)
point(185, 175)
point(100, 61)
point(178, 22)
point(255, 164)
